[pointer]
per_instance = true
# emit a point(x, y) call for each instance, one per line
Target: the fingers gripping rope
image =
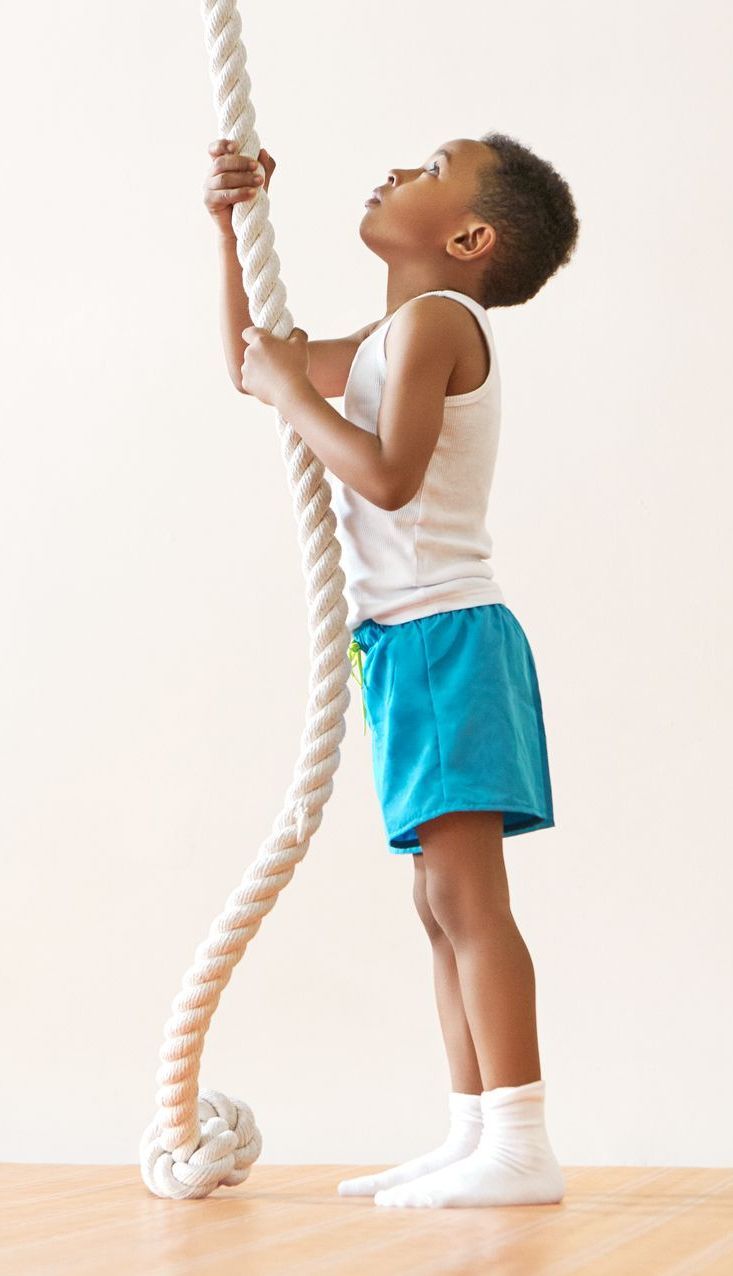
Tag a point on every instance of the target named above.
point(200, 1141)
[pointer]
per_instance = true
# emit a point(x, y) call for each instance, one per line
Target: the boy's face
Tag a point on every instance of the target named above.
point(422, 210)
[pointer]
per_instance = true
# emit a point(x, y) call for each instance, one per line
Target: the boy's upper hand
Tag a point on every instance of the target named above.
point(232, 179)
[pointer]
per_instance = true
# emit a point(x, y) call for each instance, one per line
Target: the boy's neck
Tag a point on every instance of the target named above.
point(402, 285)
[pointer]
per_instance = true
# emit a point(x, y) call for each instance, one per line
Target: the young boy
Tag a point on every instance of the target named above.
point(449, 680)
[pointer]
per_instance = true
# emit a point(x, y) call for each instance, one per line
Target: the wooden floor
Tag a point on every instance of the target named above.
point(290, 1221)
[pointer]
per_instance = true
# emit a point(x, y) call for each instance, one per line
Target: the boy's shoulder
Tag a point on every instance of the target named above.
point(431, 322)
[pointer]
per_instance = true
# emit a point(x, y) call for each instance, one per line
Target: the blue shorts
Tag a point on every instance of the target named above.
point(453, 704)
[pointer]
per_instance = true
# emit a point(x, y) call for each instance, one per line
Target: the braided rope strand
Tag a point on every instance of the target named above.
point(200, 1141)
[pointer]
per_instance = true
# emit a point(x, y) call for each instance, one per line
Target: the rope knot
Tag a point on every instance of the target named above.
point(228, 1144)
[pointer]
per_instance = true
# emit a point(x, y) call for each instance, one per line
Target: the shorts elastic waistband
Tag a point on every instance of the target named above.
point(369, 631)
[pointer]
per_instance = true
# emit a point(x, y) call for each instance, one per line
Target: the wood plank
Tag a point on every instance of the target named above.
point(614, 1221)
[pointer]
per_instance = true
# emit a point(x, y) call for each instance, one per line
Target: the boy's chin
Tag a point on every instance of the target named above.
point(368, 237)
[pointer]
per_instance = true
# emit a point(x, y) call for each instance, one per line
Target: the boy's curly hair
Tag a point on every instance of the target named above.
point(533, 212)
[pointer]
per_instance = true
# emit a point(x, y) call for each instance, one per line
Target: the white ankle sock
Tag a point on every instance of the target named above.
point(463, 1137)
point(513, 1164)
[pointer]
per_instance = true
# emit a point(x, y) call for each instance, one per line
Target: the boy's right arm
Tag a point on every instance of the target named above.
point(234, 177)
point(329, 361)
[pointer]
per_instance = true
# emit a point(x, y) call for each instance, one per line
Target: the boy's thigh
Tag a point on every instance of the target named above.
point(463, 862)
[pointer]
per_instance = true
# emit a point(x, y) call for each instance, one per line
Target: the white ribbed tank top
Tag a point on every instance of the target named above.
point(433, 553)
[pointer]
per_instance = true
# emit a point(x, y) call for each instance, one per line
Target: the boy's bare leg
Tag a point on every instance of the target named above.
point(464, 1105)
point(468, 895)
point(461, 1053)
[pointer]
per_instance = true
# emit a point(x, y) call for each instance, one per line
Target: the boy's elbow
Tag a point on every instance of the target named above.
point(394, 497)
point(391, 503)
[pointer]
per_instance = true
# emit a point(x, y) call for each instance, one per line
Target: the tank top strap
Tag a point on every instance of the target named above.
point(475, 306)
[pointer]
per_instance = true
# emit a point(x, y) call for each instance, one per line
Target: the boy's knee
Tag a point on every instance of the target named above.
point(424, 911)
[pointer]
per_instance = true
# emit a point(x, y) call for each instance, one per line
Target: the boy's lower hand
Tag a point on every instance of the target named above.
point(272, 363)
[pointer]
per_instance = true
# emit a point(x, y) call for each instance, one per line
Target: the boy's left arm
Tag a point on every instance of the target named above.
point(352, 454)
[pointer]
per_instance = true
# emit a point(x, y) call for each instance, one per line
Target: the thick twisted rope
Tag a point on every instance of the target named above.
point(198, 1142)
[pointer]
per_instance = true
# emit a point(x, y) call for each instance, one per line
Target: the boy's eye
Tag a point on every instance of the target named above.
point(432, 164)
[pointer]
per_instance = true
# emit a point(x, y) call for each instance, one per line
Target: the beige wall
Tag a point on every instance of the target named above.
point(154, 649)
